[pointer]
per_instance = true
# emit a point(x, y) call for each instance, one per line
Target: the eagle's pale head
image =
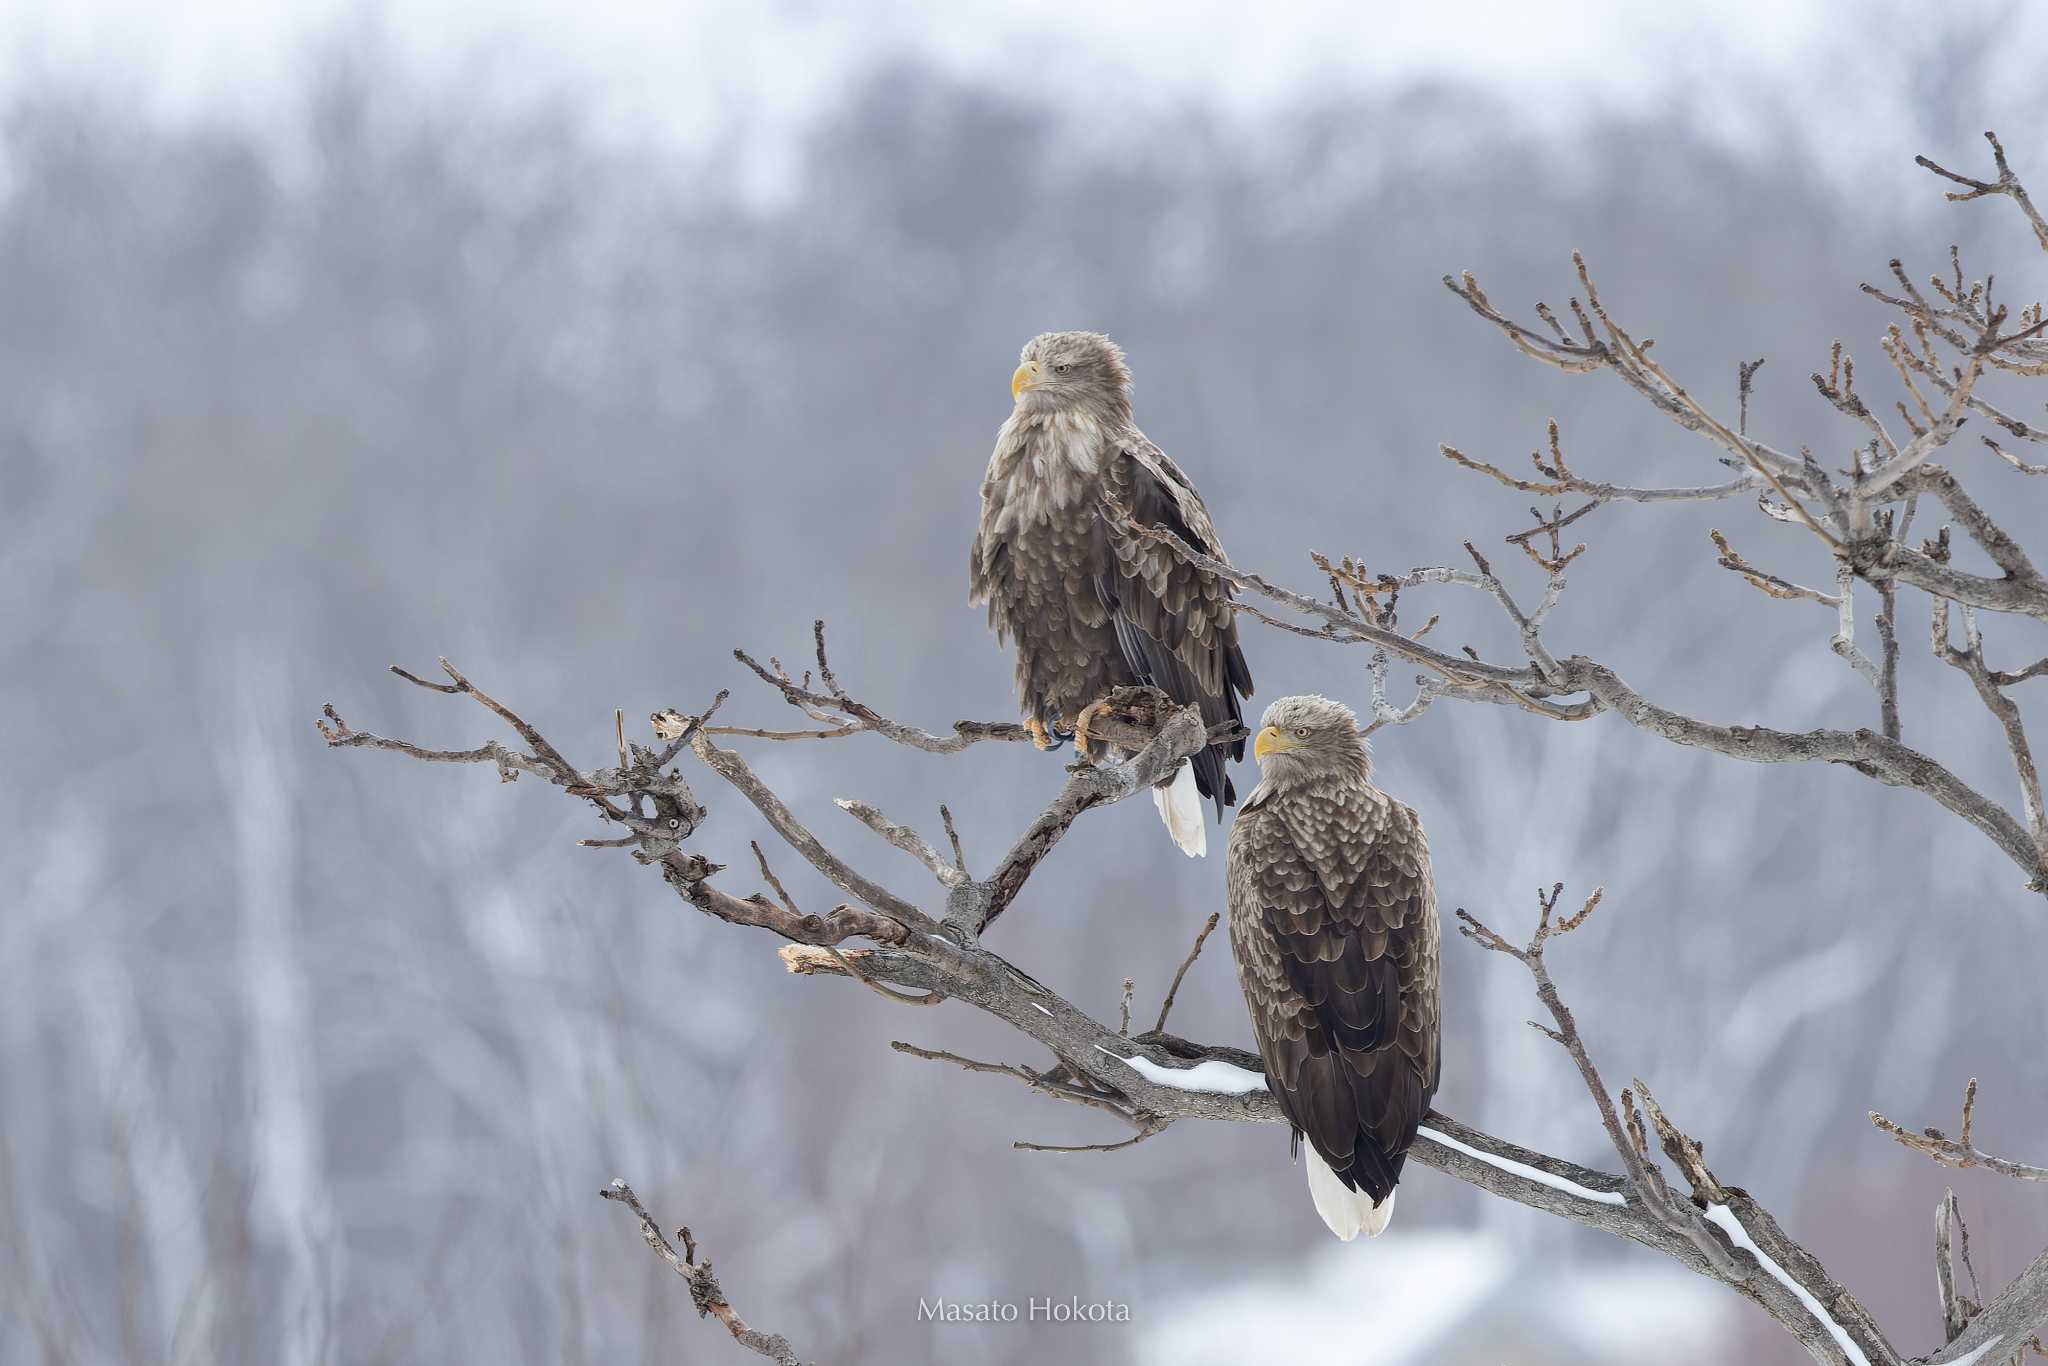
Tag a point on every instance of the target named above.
point(1072, 371)
point(1307, 739)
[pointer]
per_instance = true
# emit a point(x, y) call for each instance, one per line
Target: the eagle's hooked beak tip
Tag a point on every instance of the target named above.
point(1271, 740)
point(1025, 377)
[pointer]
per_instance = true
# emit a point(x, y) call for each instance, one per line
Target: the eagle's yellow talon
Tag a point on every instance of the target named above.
point(1038, 735)
point(1082, 741)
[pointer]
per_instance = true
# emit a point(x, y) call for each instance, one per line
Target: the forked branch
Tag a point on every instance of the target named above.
point(1953, 339)
point(705, 1291)
point(1737, 1240)
point(1961, 1150)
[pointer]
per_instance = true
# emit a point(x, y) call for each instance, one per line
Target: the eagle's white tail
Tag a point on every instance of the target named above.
point(1180, 806)
point(1347, 1212)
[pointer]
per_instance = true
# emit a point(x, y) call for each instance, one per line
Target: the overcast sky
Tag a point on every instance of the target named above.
point(210, 50)
point(684, 72)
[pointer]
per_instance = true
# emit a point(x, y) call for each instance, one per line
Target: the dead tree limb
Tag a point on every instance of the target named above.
point(1960, 1151)
point(705, 1292)
point(1954, 340)
point(1154, 1079)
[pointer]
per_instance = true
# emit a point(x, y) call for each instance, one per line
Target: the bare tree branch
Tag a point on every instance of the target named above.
point(705, 1291)
point(1866, 751)
point(728, 765)
point(1970, 660)
point(1557, 479)
point(1951, 1253)
point(843, 715)
point(1862, 524)
point(1645, 1183)
point(2007, 184)
point(1768, 584)
point(1954, 338)
point(1154, 1074)
point(1166, 1006)
point(1734, 1238)
point(908, 840)
point(510, 763)
point(1960, 1151)
point(1155, 1079)
point(1091, 786)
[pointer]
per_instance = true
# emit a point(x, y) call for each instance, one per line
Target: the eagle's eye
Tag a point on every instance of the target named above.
point(1061, 368)
point(1302, 732)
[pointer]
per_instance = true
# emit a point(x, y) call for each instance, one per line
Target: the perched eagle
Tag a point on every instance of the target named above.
point(1333, 923)
point(1090, 605)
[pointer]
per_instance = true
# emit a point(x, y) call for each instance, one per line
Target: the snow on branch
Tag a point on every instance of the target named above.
point(1148, 1080)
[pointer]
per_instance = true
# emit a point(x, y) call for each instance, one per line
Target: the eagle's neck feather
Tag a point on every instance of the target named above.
point(1066, 440)
point(1285, 776)
point(1046, 462)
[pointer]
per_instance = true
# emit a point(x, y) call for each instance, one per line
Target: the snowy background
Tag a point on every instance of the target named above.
point(581, 348)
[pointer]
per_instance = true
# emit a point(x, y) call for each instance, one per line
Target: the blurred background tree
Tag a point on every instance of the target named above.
point(304, 1063)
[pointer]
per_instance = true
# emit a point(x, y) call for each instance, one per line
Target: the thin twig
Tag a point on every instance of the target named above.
point(1150, 1129)
point(1186, 963)
point(2007, 184)
point(953, 835)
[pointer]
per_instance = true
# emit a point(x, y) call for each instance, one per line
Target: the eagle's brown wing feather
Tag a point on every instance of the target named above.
point(1174, 622)
point(1333, 922)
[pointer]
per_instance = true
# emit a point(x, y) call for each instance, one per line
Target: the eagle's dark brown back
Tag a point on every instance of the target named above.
point(1334, 925)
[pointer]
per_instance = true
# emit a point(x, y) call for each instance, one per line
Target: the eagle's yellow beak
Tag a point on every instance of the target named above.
point(1026, 377)
point(1272, 740)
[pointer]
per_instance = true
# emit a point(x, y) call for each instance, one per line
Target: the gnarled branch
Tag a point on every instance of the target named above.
point(705, 1291)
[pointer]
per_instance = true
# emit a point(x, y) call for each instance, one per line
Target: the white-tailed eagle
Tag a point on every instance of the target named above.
point(1090, 605)
point(1333, 923)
